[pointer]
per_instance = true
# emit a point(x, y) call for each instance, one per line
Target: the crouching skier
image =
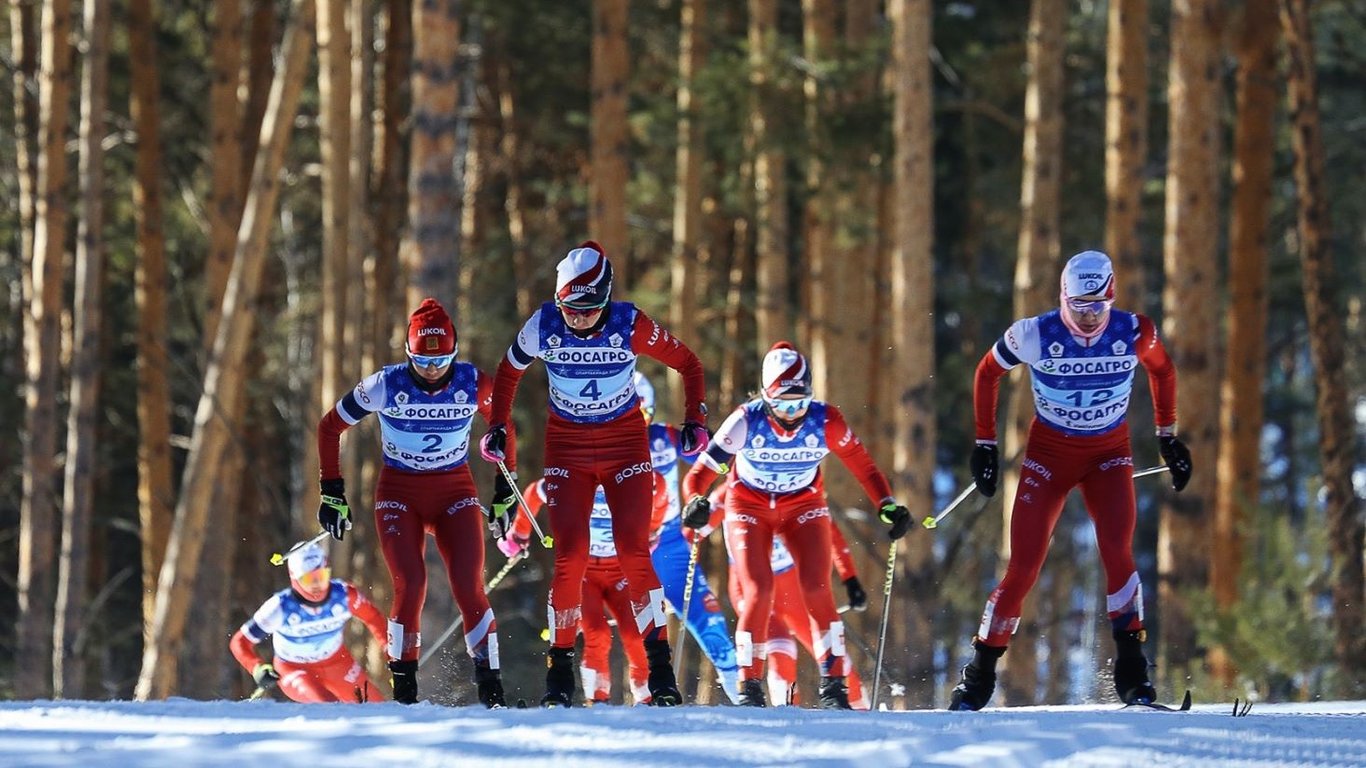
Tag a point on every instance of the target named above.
point(426, 406)
point(305, 623)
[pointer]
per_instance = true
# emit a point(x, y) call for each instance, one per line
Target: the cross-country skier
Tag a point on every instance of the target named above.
point(595, 435)
point(426, 406)
point(777, 442)
point(305, 623)
point(1081, 359)
point(671, 555)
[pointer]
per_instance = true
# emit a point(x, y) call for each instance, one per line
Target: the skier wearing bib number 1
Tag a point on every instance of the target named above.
point(1081, 359)
point(596, 435)
point(777, 442)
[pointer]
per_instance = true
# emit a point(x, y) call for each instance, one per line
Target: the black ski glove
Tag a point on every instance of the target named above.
point(503, 509)
point(896, 516)
point(265, 676)
point(986, 467)
point(333, 513)
point(697, 512)
point(858, 599)
point(1178, 459)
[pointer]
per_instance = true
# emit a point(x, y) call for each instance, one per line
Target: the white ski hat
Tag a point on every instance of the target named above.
point(583, 279)
point(785, 370)
point(1088, 274)
point(306, 559)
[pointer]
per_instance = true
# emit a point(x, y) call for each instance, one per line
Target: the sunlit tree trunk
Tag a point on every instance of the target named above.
point(609, 149)
point(334, 138)
point(1337, 436)
point(1036, 272)
point(912, 320)
point(1191, 324)
point(1240, 399)
point(39, 510)
point(68, 659)
point(818, 41)
point(23, 21)
point(225, 372)
point(394, 102)
point(772, 307)
point(688, 164)
point(1126, 144)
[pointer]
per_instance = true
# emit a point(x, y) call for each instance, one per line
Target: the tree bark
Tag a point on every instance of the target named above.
point(1126, 144)
point(608, 175)
point(688, 168)
point(1191, 318)
point(68, 659)
point(1337, 436)
point(38, 510)
point(772, 312)
point(225, 372)
point(1240, 411)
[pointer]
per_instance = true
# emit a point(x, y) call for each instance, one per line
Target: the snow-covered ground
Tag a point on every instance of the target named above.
point(183, 733)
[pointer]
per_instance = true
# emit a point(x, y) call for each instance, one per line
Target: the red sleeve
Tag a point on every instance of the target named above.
point(649, 338)
point(697, 482)
point(985, 387)
point(329, 445)
point(839, 550)
point(366, 611)
point(1161, 372)
point(660, 505)
point(244, 650)
point(535, 499)
point(505, 381)
point(849, 448)
point(485, 397)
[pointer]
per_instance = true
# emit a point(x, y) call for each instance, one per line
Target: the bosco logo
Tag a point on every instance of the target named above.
point(633, 470)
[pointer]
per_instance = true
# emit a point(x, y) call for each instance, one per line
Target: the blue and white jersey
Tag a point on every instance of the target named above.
point(591, 380)
point(600, 540)
point(302, 633)
point(781, 559)
point(419, 430)
point(665, 454)
point(1080, 389)
point(767, 460)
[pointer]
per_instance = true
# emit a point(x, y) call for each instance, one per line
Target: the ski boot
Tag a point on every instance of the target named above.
point(974, 689)
point(1131, 669)
point(490, 684)
point(559, 678)
point(403, 676)
point(663, 688)
point(833, 694)
point(752, 693)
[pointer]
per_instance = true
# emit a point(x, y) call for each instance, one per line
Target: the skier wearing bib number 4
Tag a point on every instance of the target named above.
point(596, 435)
point(426, 407)
point(777, 442)
point(1081, 357)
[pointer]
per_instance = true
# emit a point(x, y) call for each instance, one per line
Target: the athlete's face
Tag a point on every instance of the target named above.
point(790, 406)
point(431, 368)
point(314, 584)
point(580, 319)
point(1087, 313)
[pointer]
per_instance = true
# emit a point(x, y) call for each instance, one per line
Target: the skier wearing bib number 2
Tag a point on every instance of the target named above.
point(596, 435)
point(1081, 359)
point(426, 406)
point(777, 442)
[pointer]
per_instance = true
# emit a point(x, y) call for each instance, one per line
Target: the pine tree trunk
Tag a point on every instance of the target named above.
point(1126, 145)
point(391, 179)
point(814, 327)
point(68, 660)
point(1337, 436)
point(1240, 411)
point(688, 164)
point(1190, 321)
point(609, 147)
point(771, 306)
point(23, 20)
point(39, 508)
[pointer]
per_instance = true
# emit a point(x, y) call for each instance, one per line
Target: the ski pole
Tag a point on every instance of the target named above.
point(1160, 468)
point(546, 541)
point(886, 611)
point(279, 559)
point(687, 603)
point(450, 630)
point(931, 522)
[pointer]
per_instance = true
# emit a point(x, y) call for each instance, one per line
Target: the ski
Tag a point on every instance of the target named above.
point(1185, 705)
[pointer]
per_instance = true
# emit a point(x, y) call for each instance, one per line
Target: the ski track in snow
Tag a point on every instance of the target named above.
point(179, 733)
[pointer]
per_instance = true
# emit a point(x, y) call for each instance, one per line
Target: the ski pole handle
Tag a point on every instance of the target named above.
point(546, 541)
point(279, 559)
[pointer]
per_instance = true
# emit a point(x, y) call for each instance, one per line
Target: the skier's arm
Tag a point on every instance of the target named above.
point(659, 503)
point(839, 551)
point(650, 338)
point(1019, 344)
point(261, 625)
point(485, 399)
point(518, 358)
point(244, 649)
point(716, 460)
point(849, 448)
point(365, 398)
point(1161, 375)
point(366, 611)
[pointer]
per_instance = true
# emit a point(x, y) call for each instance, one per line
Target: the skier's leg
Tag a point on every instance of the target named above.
point(595, 667)
point(618, 600)
point(755, 575)
point(459, 535)
point(402, 540)
point(304, 683)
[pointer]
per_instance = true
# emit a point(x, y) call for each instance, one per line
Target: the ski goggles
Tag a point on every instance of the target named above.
point(579, 310)
point(427, 361)
point(1089, 306)
point(785, 408)
point(315, 579)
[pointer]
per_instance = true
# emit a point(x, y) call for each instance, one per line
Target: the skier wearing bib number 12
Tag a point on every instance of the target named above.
point(596, 435)
point(1081, 359)
point(426, 406)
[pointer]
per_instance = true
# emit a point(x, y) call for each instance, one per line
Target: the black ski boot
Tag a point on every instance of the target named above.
point(403, 676)
point(752, 694)
point(1131, 669)
point(663, 688)
point(833, 694)
point(490, 684)
point(559, 678)
point(974, 689)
